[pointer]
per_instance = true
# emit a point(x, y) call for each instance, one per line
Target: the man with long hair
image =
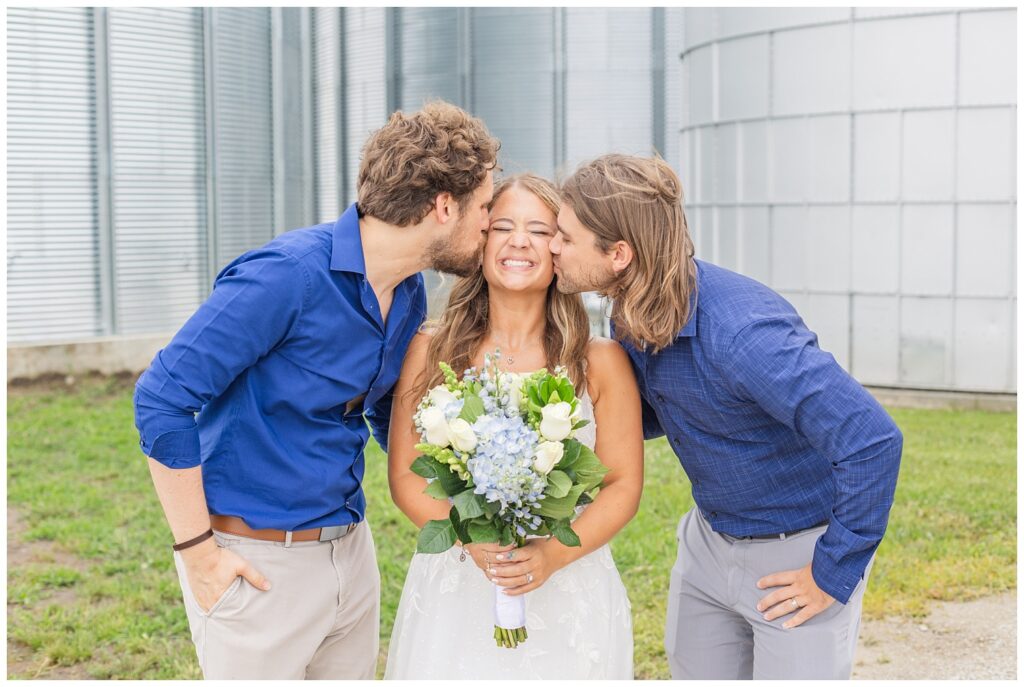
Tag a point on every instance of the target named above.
point(300, 339)
point(793, 464)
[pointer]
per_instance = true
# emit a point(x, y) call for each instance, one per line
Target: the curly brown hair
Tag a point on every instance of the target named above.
point(414, 157)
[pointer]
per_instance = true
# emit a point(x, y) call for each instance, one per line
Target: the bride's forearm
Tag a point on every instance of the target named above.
point(614, 507)
point(418, 507)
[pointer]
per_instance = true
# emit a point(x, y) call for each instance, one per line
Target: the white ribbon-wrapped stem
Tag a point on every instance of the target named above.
point(509, 611)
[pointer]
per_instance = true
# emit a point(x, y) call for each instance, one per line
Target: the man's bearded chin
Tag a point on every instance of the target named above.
point(445, 257)
point(588, 281)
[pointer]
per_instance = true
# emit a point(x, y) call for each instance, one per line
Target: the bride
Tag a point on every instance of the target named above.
point(577, 613)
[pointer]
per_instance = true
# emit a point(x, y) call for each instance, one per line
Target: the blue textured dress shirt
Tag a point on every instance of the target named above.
point(774, 435)
point(291, 333)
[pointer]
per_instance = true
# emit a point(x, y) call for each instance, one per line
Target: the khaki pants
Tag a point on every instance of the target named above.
point(319, 620)
point(714, 631)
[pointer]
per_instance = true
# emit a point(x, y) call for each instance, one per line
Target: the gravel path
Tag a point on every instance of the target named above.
point(971, 640)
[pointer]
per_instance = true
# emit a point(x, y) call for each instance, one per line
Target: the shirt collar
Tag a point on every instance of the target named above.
point(690, 328)
point(347, 246)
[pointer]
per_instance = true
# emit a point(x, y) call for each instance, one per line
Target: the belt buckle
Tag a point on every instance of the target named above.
point(335, 531)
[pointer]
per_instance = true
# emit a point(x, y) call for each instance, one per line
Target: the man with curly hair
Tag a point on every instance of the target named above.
point(253, 415)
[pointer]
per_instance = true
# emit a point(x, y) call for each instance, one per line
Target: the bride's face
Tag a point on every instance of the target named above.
point(516, 255)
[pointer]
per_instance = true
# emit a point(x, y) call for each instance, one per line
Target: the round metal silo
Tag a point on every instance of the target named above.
point(862, 163)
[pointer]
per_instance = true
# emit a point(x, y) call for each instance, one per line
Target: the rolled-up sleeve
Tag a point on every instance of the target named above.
point(256, 304)
point(777, 364)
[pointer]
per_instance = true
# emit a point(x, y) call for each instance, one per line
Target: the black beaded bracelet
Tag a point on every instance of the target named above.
point(192, 542)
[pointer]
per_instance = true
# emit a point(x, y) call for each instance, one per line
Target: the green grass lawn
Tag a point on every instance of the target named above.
point(92, 590)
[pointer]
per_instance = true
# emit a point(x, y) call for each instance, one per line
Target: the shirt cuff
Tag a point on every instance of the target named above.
point(178, 448)
point(836, 580)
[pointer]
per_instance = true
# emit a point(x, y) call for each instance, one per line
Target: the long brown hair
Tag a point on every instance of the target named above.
point(459, 333)
point(640, 201)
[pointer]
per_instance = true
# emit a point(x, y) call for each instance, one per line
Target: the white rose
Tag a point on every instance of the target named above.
point(440, 397)
point(547, 456)
point(556, 424)
point(435, 427)
point(461, 435)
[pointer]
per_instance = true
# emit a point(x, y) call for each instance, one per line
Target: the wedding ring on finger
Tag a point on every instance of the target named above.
point(529, 578)
point(795, 603)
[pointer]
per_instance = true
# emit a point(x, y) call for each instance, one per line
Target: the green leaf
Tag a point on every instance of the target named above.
point(564, 533)
point(590, 474)
point(554, 397)
point(449, 480)
point(559, 484)
point(582, 464)
point(533, 396)
point(436, 489)
point(585, 498)
point(482, 530)
point(437, 536)
point(544, 390)
point(424, 466)
point(460, 526)
point(570, 455)
point(581, 423)
point(472, 408)
point(566, 393)
point(468, 505)
point(563, 507)
point(534, 408)
point(507, 536)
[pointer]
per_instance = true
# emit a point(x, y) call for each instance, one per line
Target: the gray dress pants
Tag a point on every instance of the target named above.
point(714, 630)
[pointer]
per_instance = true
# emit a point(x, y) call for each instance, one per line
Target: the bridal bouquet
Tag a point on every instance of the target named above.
point(500, 447)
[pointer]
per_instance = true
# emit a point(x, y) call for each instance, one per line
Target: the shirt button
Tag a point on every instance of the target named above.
point(714, 514)
point(661, 399)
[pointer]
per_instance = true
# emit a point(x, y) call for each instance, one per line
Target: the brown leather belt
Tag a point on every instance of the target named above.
point(232, 525)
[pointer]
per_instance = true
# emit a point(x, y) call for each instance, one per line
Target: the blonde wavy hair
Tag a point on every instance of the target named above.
point(414, 157)
point(640, 201)
point(460, 331)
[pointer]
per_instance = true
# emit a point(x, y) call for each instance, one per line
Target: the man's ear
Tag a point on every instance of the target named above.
point(622, 256)
point(444, 207)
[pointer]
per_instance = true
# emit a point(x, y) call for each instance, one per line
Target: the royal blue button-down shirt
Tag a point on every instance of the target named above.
point(774, 435)
point(291, 333)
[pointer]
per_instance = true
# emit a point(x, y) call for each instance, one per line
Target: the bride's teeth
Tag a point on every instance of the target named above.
point(516, 263)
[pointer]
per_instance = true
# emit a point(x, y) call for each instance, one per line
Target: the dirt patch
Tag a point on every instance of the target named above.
point(22, 662)
point(21, 553)
point(113, 383)
point(969, 640)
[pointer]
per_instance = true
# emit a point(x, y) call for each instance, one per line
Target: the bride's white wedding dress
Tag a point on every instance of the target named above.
point(579, 622)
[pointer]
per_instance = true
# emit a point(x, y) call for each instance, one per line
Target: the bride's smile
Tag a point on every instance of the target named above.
point(516, 255)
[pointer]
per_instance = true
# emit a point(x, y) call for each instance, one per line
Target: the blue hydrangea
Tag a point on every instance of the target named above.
point(502, 468)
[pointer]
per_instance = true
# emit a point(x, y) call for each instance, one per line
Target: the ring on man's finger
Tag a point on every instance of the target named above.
point(529, 578)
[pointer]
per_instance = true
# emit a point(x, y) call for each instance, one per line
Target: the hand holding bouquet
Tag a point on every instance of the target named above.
point(500, 447)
